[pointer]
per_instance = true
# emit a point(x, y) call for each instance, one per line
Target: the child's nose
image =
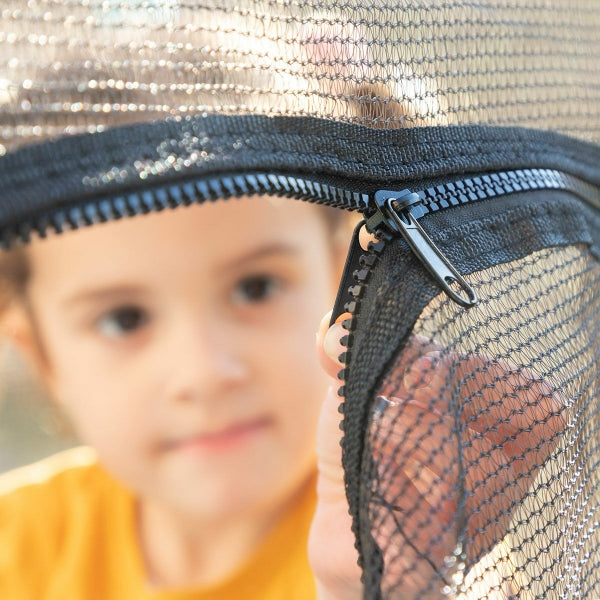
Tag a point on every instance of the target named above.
point(205, 363)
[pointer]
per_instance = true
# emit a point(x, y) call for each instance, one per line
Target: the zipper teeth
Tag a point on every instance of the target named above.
point(155, 199)
point(226, 186)
point(503, 183)
point(362, 276)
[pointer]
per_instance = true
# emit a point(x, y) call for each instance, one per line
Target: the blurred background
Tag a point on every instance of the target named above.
point(30, 426)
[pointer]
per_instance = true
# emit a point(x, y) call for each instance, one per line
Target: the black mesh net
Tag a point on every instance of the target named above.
point(474, 477)
point(471, 436)
point(70, 66)
point(474, 436)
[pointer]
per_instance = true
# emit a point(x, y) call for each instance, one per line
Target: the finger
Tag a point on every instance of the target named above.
point(412, 542)
point(514, 409)
point(491, 489)
point(409, 430)
point(329, 346)
point(364, 238)
point(421, 364)
point(332, 550)
point(416, 455)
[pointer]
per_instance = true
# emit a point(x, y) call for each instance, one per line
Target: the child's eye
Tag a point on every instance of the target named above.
point(257, 288)
point(122, 321)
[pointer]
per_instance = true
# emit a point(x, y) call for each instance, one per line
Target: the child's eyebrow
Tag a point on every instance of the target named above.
point(111, 293)
point(257, 254)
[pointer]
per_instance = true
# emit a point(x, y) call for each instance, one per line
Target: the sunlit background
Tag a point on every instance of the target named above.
point(30, 426)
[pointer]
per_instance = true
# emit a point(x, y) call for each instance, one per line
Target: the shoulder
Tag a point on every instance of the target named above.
point(35, 499)
point(36, 513)
point(54, 472)
point(40, 499)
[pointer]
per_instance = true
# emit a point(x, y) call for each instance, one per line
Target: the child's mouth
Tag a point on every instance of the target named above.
point(226, 438)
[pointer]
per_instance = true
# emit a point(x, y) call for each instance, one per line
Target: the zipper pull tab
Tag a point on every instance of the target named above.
point(395, 211)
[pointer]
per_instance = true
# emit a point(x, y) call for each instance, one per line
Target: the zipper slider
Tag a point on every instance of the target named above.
point(395, 210)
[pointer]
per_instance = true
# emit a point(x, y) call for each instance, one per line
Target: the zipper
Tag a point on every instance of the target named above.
point(387, 213)
point(394, 209)
point(83, 213)
point(393, 213)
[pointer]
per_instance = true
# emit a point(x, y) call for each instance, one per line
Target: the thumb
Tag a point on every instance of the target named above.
point(329, 450)
point(329, 433)
point(332, 553)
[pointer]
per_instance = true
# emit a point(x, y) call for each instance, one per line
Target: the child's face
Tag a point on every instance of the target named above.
point(181, 344)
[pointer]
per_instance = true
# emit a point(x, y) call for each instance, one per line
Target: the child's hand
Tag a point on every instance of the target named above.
point(511, 423)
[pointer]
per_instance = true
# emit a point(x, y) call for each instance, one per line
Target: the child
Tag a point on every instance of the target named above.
point(185, 360)
point(201, 481)
point(180, 345)
point(131, 326)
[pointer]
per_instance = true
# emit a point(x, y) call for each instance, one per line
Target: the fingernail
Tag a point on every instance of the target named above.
point(383, 403)
point(324, 324)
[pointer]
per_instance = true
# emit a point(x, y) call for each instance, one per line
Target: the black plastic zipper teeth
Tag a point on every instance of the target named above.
point(226, 186)
point(221, 187)
point(387, 212)
point(398, 213)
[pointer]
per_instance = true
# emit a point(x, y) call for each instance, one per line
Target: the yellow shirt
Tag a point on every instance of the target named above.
point(67, 532)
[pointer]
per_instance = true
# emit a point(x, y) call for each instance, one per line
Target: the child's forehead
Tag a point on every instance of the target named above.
point(215, 232)
point(200, 251)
